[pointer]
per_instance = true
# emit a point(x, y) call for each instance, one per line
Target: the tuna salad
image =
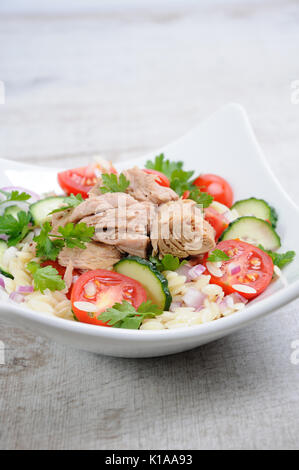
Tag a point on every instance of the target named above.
point(148, 248)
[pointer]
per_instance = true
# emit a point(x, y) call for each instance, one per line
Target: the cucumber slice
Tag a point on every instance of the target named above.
point(3, 248)
point(152, 280)
point(12, 210)
point(253, 230)
point(256, 208)
point(40, 210)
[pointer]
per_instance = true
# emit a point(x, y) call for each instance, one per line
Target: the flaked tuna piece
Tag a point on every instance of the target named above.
point(144, 187)
point(95, 256)
point(179, 229)
point(60, 219)
point(100, 204)
point(95, 190)
point(124, 227)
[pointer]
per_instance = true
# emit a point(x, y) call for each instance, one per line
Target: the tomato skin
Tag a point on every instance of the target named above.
point(256, 268)
point(217, 220)
point(111, 288)
point(186, 194)
point(61, 271)
point(217, 187)
point(80, 180)
point(161, 179)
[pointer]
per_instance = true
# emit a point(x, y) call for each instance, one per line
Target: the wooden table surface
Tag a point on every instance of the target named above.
point(119, 78)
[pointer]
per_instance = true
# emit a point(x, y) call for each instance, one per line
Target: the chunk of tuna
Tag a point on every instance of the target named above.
point(179, 229)
point(95, 256)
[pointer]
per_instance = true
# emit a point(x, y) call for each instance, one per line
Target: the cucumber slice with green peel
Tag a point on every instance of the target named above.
point(253, 230)
point(257, 208)
point(40, 210)
point(12, 210)
point(150, 278)
point(3, 248)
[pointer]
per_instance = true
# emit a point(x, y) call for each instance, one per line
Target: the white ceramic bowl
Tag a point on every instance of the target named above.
point(224, 144)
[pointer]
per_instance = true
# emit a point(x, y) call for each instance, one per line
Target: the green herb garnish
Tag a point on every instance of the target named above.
point(45, 278)
point(112, 184)
point(217, 255)
point(124, 315)
point(71, 202)
point(280, 259)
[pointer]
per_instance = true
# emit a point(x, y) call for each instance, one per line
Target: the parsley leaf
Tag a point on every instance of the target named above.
point(47, 247)
point(124, 315)
point(114, 185)
point(45, 278)
point(15, 196)
point(16, 228)
point(164, 166)
point(280, 259)
point(217, 255)
point(199, 197)
point(167, 263)
point(180, 180)
point(76, 235)
point(71, 202)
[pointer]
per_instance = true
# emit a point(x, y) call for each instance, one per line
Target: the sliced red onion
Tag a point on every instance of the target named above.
point(34, 196)
point(16, 297)
point(194, 298)
point(234, 268)
point(174, 306)
point(25, 289)
point(196, 271)
point(226, 303)
point(3, 237)
point(2, 283)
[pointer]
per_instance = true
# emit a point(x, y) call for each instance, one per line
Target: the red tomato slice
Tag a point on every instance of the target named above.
point(161, 179)
point(248, 267)
point(217, 187)
point(104, 288)
point(79, 180)
point(217, 220)
point(61, 272)
point(186, 194)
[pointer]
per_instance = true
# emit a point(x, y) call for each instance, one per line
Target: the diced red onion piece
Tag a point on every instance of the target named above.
point(3, 237)
point(234, 268)
point(2, 283)
point(16, 297)
point(196, 271)
point(194, 298)
point(25, 289)
point(174, 306)
point(184, 270)
point(239, 298)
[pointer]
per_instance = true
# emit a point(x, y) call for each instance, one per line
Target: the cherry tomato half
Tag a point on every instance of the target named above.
point(248, 267)
point(79, 180)
point(217, 187)
point(217, 220)
point(104, 288)
point(161, 179)
point(61, 271)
